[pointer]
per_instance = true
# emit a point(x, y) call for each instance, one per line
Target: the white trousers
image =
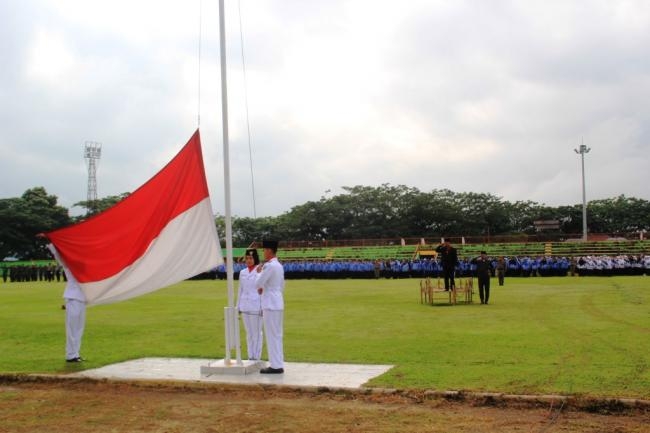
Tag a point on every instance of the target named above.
point(254, 339)
point(273, 330)
point(75, 320)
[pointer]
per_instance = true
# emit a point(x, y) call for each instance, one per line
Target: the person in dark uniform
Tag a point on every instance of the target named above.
point(483, 272)
point(501, 269)
point(449, 260)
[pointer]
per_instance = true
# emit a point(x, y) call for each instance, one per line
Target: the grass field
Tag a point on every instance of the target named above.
point(579, 336)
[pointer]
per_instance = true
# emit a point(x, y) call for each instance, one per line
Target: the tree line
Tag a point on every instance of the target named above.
point(387, 211)
point(359, 212)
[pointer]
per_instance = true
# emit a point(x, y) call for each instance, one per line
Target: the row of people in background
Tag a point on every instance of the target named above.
point(501, 267)
point(400, 268)
point(613, 265)
point(584, 266)
point(26, 273)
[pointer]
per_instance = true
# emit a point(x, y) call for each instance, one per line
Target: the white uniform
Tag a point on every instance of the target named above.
point(75, 310)
point(271, 279)
point(249, 304)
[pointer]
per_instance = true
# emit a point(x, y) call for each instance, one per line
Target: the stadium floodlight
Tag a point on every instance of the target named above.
point(92, 153)
point(581, 151)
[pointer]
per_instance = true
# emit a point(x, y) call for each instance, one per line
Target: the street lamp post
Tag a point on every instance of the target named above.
point(581, 151)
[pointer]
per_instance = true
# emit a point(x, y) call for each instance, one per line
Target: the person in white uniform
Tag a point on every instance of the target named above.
point(249, 305)
point(271, 286)
point(75, 312)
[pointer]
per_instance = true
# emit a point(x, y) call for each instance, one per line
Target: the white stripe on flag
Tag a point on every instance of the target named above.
point(186, 247)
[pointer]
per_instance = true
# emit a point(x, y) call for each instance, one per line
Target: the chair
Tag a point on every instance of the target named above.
point(464, 289)
point(427, 291)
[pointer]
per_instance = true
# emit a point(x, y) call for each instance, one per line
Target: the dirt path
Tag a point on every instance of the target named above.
point(100, 406)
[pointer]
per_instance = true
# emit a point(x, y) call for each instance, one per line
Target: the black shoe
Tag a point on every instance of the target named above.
point(271, 370)
point(77, 359)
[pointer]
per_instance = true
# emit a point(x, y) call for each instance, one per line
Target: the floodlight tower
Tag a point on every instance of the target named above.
point(581, 151)
point(92, 153)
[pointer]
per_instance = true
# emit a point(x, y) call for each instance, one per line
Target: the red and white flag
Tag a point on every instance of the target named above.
point(161, 234)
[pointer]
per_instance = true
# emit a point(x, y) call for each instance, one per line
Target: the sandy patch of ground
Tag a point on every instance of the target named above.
point(52, 405)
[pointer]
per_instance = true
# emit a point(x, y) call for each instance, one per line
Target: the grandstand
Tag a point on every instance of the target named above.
point(557, 249)
point(513, 249)
point(394, 250)
point(348, 253)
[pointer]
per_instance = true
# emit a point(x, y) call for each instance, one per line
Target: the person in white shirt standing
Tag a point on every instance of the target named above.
point(271, 286)
point(75, 312)
point(249, 305)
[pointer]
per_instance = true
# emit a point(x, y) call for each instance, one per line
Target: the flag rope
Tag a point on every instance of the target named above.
point(248, 125)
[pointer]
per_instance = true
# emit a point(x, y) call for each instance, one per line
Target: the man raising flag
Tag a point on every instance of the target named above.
point(161, 234)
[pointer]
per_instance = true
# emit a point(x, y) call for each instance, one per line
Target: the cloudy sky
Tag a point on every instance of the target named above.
point(483, 96)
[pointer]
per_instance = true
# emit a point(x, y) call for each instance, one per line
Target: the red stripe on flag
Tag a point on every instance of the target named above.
point(105, 244)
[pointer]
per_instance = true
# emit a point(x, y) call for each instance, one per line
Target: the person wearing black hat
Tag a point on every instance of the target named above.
point(249, 305)
point(271, 286)
point(483, 272)
point(449, 261)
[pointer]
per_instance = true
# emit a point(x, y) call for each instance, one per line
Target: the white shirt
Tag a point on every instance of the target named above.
point(72, 288)
point(248, 299)
point(271, 279)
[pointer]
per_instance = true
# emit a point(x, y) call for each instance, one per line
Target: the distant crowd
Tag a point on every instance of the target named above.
point(395, 268)
point(26, 273)
point(431, 267)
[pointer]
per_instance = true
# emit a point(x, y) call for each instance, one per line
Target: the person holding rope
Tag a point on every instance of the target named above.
point(271, 286)
point(75, 311)
point(249, 305)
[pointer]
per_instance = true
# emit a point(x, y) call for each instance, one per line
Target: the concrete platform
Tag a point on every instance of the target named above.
point(351, 376)
point(220, 366)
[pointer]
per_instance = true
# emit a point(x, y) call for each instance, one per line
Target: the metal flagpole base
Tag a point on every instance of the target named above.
point(220, 366)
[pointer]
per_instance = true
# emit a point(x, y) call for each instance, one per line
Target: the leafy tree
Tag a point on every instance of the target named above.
point(571, 218)
point(399, 211)
point(618, 215)
point(446, 214)
point(522, 215)
point(247, 230)
point(304, 222)
point(22, 218)
point(384, 211)
point(96, 206)
point(418, 215)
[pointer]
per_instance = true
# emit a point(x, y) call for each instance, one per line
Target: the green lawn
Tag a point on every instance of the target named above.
point(582, 336)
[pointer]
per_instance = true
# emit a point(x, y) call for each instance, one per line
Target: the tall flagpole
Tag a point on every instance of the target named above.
point(231, 322)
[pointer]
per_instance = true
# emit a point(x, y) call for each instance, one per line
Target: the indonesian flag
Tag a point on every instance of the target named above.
point(161, 234)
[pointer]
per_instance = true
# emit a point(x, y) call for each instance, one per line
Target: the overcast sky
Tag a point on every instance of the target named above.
point(482, 96)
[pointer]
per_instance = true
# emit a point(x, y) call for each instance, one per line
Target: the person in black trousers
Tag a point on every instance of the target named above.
point(483, 272)
point(501, 269)
point(449, 260)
